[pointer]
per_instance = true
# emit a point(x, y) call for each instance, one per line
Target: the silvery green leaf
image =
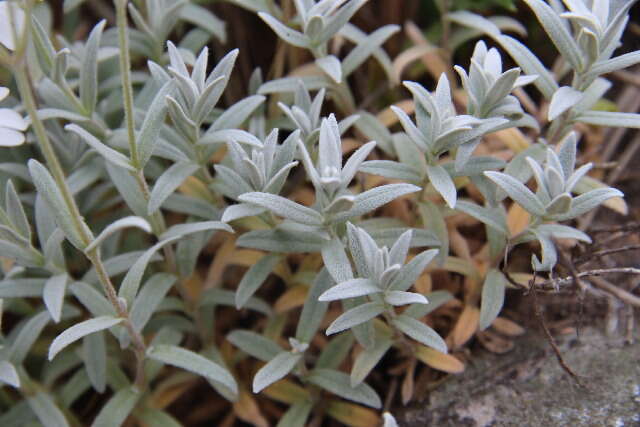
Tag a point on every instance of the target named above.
point(367, 360)
point(29, 333)
point(150, 297)
point(204, 19)
point(8, 374)
point(355, 316)
point(240, 210)
point(15, 212)
point(560, 231)
point(48, 189)
point(367, 47)
point(560, 205)
point(287, 34)
point(483, 215)
point(95, 360)
point(43, 405)
point(193, 362)
point(336, 261)
point(355, 160)
point(591, 95)
point(473, 20)
point(22, 255)
point(567, 154)
point(339, 384)
point(562, 100)
point(224, 135)
point(18, 170)
point(391, 169)
point(335, 352)
point(80, 330)
point(419, 332)
point(284, 208)
point(372, 199)
point(53, 295)
point(131, 282)
point(389, 420)
point(93, 300)
point(230, 183)
point(157, 418)
point(149, 135)
point(493, 290)
point(313, 310)
point(128, 189)
point(416, 136)
point(588, 201)
point(296, 415)
point(608, 118)
point(549, 253)
point(398, 298)
point(114, 227)
point(105, 151)
point(558, 32)
point(443, 184)
point(340, 18)
point(168, 182)
point(44, 48)
point(518, 192)
point(254, 278)
point(184, 124)
point(190, 205)
point(237, 114)
point(276, 369)
point(372, 129)
point(412, 270)
point(213, 297)
point(614, 64)
point(530, 64)
point(290, 84)
point(280, 240)
point(331, 65)
point(436, 299)
point(89, 68)
point(350, 289)
point(118, 408)
point(254, 344)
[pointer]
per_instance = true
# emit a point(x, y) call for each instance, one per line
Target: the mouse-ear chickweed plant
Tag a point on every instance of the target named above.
point(156, 231)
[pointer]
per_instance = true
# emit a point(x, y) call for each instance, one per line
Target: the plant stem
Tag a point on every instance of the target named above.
point(139, 347)
point(125, 73)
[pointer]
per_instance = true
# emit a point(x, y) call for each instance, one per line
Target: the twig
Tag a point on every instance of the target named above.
point(552, 342)
point(598, 254)
point(614, 290)
point(553, 284)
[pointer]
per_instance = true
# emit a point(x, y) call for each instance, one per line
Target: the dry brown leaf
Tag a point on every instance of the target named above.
point(517, 219)
point(465, 327)
point(513, 138)
point(246, 408)
point(223, 257)
point(292, 298)
point(494, 342)
point(408, 384)
point(286, 391)
point(507, 327)
point(351, 414)
point(440, 361)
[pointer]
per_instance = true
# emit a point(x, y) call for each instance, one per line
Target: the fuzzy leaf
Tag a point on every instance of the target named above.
point(117, 409)
point(518, 192)
point(276, 369)
point(105, 151)
point(420, 332)
point(443, 184)
point(562, 100)
point(339, 384)
point(255, 345)
point(193, 362)
point(8, 374)
point(284, 207)
point(350, 289)
point(80, 330)
point(130, 221)
point(171, 179)
point(493, 291)
point(53, 295)
point(254, 278)
point(355, 316)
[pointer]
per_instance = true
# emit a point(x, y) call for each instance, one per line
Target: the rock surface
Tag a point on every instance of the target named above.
point(527, 387)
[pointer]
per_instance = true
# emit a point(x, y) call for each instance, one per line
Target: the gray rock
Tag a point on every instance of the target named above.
point(527, 387)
